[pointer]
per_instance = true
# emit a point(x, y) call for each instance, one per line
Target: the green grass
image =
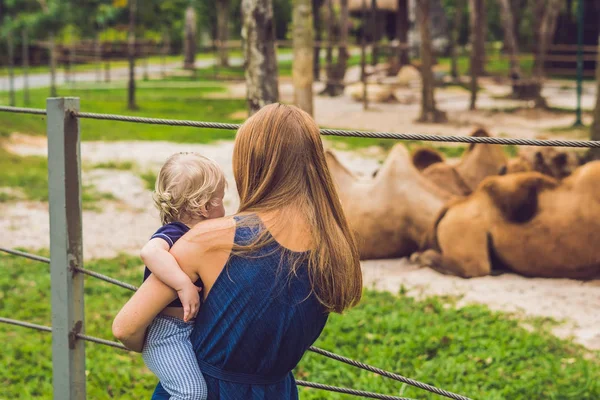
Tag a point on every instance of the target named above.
point(91, 66)
point(29, 174)
point(117, 165)
point(473, 351)
point(578, 132)
point(149, 179)
point(152, 60)
point(495, 65)
point(169, 101)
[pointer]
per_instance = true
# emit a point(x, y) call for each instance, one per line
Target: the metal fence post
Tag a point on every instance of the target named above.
point(66, 250)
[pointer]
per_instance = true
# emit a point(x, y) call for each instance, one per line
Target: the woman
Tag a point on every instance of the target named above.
point(271, 273)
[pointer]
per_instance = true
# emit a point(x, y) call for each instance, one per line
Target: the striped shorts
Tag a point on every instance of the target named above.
point(169, 354)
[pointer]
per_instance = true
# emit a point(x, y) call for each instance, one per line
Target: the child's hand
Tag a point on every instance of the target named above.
point(190, 299)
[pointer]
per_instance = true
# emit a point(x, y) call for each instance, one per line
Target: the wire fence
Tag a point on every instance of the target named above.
point(66, 264)
point(328, 132)
point(313, 349)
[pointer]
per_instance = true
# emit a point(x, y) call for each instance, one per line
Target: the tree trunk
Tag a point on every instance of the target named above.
point(537, 10)
point(518, 7)
point(316, 7)
point(166, 50)
point(475, 65)
point(476, 23)
point(98, 57)
point(258, 39)
point(302, 72)
point(429, 112)
point(11, 69)
point(337, 71)
point(374, 34)
point(402, 27)
point(594, 154)
point(223, 31)
point(52, 66)
point(510, 41)
point(330, 27)
point(363, 55)
point(131, 55)
point(25, 61)
point(72, 63)
point(107, 71)
point(190, 38)
point(454, 33)
point(546, 32)
point(483, 40)
point(145, 61)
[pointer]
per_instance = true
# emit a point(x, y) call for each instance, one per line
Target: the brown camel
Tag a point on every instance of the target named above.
point(526, 222)
point(477, 163)
point(391, 212)
point(547, 160)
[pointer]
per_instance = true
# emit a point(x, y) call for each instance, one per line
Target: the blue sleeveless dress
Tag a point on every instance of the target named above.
point(255, 324)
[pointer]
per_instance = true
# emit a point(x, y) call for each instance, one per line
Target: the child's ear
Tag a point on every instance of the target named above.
point(204, 211)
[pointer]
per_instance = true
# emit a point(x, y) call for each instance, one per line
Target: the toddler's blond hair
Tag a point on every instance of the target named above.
point(185, 186)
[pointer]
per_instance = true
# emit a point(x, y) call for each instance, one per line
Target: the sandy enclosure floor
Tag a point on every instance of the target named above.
point(124, 226)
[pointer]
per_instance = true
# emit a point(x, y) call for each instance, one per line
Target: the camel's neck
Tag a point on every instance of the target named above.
point(424, 199)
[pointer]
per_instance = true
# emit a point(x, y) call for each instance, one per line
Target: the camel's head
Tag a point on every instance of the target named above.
point(513, 197)
point(479, 132)
point(546, 160)
point(515, 165)
point(516, 195)
point(423, 157)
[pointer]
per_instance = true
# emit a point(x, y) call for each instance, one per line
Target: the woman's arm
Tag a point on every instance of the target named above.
point(155, 254)
point(202, 252)
point(130, 324)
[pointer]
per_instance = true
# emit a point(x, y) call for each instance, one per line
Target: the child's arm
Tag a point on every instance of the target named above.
point(161, 263)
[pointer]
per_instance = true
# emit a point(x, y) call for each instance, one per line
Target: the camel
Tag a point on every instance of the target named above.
point(477, 163)
point(528, 223)
point(432, 165)
point(391, 212)
point(547, 160)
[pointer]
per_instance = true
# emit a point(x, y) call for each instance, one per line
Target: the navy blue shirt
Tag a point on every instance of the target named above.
point(171, 233)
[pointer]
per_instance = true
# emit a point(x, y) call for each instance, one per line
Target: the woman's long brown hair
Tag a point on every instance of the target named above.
point(279, 164)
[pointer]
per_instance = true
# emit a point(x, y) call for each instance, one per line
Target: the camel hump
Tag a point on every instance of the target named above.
point(480, 132)
point(337, 169)
point(516, 195)
point(423, 157)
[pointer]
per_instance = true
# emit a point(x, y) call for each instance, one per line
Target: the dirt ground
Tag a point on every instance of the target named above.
point(125, 224)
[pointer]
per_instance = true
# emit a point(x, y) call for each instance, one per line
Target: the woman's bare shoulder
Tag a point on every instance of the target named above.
point(213, 232)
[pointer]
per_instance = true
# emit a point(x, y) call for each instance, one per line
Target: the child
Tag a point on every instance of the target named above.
point(189, 188)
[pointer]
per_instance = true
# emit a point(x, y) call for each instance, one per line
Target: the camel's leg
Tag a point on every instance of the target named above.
point(444, 265)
